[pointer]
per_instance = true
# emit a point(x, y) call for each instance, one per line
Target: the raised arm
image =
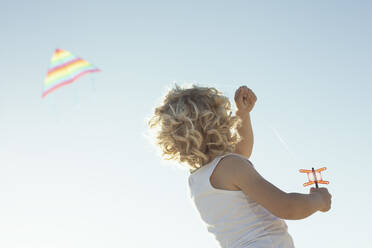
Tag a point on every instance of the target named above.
point(291, 206)
point(245, 146)
point(245, 100)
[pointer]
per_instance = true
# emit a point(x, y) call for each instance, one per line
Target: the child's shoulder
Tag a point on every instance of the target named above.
point(233, 161)
point(223, 175)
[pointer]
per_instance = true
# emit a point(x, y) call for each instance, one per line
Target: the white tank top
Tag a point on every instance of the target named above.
point(233, 218)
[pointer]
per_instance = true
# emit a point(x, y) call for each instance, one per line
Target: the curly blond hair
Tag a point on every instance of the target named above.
point(195, 125)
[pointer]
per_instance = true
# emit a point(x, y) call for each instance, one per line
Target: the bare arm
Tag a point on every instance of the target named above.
point(291, 206)
point(245, 146)
point(245, 100)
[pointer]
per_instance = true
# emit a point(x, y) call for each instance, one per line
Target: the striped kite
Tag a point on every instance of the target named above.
point(64, 69)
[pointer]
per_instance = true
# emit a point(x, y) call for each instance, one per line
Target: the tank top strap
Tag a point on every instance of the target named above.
point(199, 181)
point(218, 159)
point(211, 168)
point(215, 162)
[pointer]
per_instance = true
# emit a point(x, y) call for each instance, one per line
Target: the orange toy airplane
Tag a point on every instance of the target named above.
point(314, 176)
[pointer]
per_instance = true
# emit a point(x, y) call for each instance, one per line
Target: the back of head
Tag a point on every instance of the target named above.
point(195, 125)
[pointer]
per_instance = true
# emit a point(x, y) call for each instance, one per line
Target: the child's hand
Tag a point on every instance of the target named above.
point(323, 197)
point(245, 100)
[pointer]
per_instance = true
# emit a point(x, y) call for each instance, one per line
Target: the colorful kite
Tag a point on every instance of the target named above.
point(64, 69)
point(314, 176)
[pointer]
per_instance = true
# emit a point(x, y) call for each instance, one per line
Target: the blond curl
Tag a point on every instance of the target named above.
point(195, 125)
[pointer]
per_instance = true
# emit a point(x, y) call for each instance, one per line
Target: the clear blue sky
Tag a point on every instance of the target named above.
point(76, 169)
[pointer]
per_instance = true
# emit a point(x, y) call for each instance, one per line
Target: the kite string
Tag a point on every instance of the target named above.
point(281, 140)
point(227, 88)
point(293, 155)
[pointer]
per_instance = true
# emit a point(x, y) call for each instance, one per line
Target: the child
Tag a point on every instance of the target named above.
point(239, 207)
